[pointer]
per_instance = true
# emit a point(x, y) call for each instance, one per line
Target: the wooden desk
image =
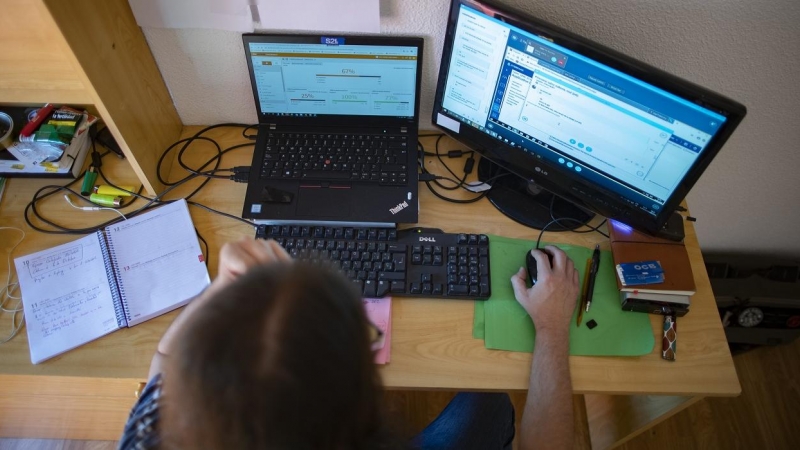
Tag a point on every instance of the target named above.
point(86, 393)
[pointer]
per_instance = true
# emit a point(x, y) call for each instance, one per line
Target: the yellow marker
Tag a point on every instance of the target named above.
point(105, 200)
point(104, 189)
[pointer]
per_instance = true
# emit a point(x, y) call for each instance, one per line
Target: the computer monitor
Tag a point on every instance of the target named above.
point(598, 131)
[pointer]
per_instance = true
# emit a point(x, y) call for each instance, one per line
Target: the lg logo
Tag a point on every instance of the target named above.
point(541, 171)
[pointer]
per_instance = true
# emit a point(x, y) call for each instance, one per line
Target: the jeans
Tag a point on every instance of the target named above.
point(472, 420)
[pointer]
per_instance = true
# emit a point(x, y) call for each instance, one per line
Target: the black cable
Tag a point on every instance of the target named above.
point(458, 183)
point(47, 191)
point(462, 184)
point(187, 141)
point(558, 220)
point(586, 224)
point(455, 200)
point(151, 203)
point(250, 136)
point(439, 156)
point(230, 216)
point(539, 239)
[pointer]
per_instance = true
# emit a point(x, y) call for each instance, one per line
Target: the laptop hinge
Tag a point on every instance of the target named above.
point(404, 129)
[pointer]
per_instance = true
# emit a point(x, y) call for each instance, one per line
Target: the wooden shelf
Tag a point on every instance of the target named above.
point(85, 52)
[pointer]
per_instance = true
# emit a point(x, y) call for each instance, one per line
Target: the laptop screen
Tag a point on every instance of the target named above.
point(302, 79)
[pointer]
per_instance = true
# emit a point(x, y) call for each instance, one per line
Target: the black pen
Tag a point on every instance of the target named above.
point(592, 275)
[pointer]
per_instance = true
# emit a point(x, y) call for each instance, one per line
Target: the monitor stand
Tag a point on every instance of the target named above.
point(528, 203)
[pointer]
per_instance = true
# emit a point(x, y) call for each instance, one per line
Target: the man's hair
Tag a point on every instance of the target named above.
point(280, 359)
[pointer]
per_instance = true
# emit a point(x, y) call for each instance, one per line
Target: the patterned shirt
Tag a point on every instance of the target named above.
point(141, 430)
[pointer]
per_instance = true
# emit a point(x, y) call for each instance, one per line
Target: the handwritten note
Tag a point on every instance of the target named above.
point(70, 292)
point(159, 263)
point(66, 296)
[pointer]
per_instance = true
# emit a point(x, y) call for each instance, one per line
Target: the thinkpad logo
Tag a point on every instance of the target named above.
point(398, 208)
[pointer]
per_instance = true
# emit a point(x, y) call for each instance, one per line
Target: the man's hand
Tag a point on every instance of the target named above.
point(238, 257)
point(235, 259)
point(551, 301)
point(548, 418)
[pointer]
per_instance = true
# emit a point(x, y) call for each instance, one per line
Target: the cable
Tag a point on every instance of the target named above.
point(539, 239)
point(591, 228)
point(6, 293)
point(230, 216)
point(249, 136)
point(239, 174)
point(205, 253)
point(91, 208)
point(459, 183)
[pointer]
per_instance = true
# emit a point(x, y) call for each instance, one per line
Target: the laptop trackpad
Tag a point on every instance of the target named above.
point(325, 202)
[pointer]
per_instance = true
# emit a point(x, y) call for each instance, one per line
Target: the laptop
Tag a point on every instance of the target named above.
point(337, 129)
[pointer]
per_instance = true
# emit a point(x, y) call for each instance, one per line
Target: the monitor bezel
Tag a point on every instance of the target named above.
point(330, 119)
point(562, 181)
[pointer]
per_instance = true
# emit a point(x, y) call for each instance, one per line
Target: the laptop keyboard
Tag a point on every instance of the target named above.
point(371, 158)
point(419, 262)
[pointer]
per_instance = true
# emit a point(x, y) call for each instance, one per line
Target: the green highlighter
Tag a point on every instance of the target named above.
point(87, 188)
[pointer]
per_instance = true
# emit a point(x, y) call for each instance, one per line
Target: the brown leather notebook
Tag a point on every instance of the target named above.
point(628, 246)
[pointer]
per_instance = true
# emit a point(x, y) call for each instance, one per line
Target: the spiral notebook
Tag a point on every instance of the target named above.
point(118, 277)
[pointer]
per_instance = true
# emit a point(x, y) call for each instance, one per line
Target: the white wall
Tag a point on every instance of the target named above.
point(748, 199)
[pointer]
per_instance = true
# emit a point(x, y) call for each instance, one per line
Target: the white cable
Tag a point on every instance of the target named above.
point(6, 293)
point(92, 208)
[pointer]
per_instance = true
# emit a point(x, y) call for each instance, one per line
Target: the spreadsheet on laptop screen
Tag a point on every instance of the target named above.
point(317, 79)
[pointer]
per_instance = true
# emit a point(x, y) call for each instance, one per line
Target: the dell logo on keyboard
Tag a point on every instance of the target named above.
point(426, 239)
point(399, 207)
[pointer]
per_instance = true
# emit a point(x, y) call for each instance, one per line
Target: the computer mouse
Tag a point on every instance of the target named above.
point(533, 271)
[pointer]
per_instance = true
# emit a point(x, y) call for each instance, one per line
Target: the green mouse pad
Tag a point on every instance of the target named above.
point(504, 325)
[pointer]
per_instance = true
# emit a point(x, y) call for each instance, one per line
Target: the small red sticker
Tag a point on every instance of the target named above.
point(200, 257)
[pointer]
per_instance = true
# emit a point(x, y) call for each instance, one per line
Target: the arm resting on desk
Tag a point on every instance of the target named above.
point(547, 421)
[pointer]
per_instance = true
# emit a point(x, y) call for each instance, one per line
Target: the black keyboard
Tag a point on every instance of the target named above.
point(418, 262)
point(371, 158)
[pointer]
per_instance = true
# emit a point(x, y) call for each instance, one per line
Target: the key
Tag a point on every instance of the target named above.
point(370, 288)
point(382, 289)
point(325, 175)
point(398, 286)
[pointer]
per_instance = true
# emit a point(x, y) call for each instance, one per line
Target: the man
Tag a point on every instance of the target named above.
point(277, 355)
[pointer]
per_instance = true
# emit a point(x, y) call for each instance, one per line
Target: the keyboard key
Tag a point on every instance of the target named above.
point(325, 175)
point(398, 287)
point(382, 289)
point(370, 288)
point(392, 276)
point(457, 289)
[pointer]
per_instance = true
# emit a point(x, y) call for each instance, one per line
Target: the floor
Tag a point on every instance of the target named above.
point(765, 416)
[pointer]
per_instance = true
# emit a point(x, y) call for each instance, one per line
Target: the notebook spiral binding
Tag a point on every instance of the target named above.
point(112, 270)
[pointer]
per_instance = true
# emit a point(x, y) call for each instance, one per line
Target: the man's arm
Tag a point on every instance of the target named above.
point(235, 259)
point(547, 421)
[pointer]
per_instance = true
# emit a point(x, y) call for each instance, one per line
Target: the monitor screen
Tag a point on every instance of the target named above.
point(587, 123)
point(306, 79)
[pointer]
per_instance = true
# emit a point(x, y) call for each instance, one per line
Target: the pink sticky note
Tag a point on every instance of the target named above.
point(379, 312)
